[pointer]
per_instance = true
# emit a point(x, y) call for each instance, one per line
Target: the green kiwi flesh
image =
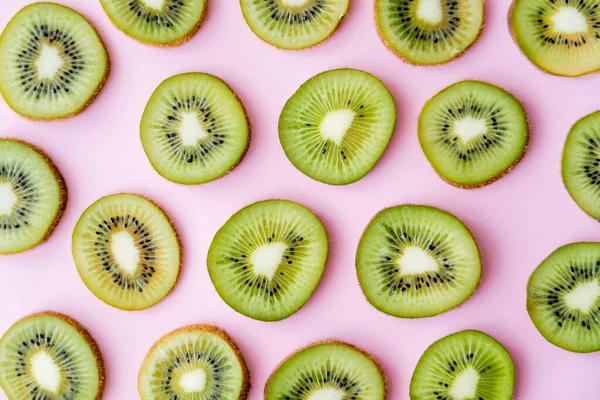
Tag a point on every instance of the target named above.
point(417, 261)
point(268, 258)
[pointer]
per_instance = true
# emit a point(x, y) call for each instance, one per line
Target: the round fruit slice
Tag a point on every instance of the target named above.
point(417, 261)
point(157, 22)
point(473, 133)
point(50, 356)
point(327, 370)
point(192, 363)
point(464, 365)
point(337, 125)
point(429, 32)
point(268, 258)
point(563, 297)
point(194, 129)
point(33, 196)
point(52, 62)
point(126, 251)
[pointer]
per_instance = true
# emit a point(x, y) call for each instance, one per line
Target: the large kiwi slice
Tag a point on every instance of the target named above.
point(467, 365)
point(268, 258)
point(196, 362)
point(337, 125)
point(561, 37)
point(563, 297)
point(49, 356)
point(52, 62)
point(328, 370)
point(473, 133)
point(33, 196)
point(126, 251)
point(428, 32)
point(417, 261)
point(194, 128)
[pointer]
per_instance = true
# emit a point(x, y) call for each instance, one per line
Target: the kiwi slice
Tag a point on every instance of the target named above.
point(194, 128)
point(328, 370)
point(268, 258)
point(33, 196)
point(429, 32)
point(473, 133)
point(126, 251)
point(561, 37)
point(337, 125)
point(467, 365)
point(417, 261)
point(157, 22)
point(52, 62)
point(49, 356)
point(196, 362)
point(563, 297)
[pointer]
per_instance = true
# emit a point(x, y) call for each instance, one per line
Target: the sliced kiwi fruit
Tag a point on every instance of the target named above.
point(417, 261)
point(52, 62)
point(561, 37)
point(337, 125)
point(467, 365)
point(328, 370)
point(126, 251)
point(33, 196)
point(473, 133)
point(429, 32)
point(268, 258)
point(196, 362)
point(194, 128)
point(50, 356)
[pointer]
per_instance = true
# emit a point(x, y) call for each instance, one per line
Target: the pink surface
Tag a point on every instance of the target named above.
point(517, 221)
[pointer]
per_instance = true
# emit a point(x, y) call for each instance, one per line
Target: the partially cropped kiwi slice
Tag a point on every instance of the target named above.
point(194, 128)
point(337, 125)
point(126, 251)
point(429, 32)
point(196, 362)
point(417, 261)
point(52, 62)
point(50, 356)
point(268, 258)
point(473, 133)
point(467, 365)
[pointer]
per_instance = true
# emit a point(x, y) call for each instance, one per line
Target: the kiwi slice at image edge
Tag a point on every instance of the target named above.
point(337, 125)
point(464, 365)
point(417, 261)
point(473, 133)
point(196, 362)
point(52, 62)
point(268, 258)
point(50, 356)
point(194, 129)
point(429, 32)
point(127, 251)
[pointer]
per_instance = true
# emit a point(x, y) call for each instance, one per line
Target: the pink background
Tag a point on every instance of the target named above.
point(517, 221)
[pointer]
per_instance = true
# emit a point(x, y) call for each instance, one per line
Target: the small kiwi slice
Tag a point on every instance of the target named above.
point(473, 133)
point(194, 128)
point(126, 251)
point(268, 258)
point(327, 370)
point(429, 32)
point(563, 297)
point(196, 362)
point(52, 62)
point(50, 356)
point(33, 196)
point(467, 365)
point(337, 125)
point(417, 261)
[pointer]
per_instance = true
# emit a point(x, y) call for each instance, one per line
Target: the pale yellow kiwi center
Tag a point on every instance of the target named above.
point(125, 251)
point(584, 296)
point(430, 11)
point(328, 394)
point(569, 20)
point(45, 371)
point(415, 261)
point(465, 384)
point(190, 129)
point(193, 381)
point(294, 3)
point(266, 259)
point(335, 125)
point(469, 128)
point(49, 62)
point(7, 198)
point(155, 4)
